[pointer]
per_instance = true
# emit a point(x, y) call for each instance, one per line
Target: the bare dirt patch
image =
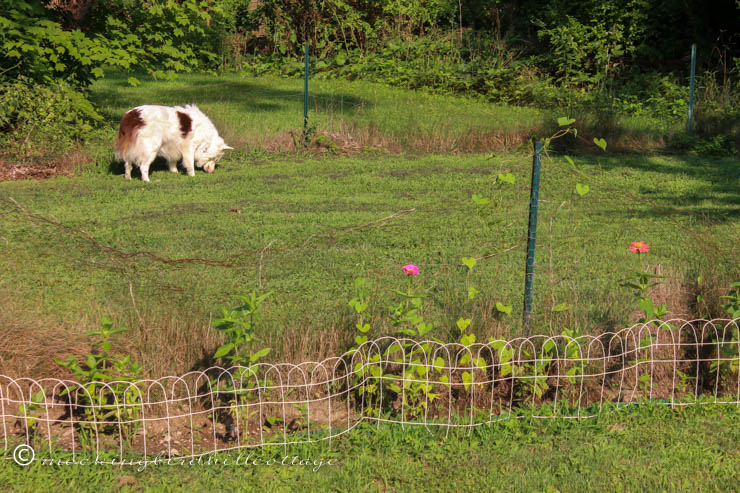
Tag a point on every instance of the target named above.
point(65, 165)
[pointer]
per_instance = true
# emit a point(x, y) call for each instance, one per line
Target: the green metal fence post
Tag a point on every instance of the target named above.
point(531, 237)
point(691, 87)
point(305, 98)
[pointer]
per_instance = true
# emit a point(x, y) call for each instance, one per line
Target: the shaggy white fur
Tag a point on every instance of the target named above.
point(179, 132)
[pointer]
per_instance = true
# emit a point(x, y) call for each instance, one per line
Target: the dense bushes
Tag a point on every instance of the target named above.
point(624, 56)
point(36, 119)
point(626, 53)
point(50, 53)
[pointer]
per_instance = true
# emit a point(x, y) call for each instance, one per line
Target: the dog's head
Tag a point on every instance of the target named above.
point(209, 153)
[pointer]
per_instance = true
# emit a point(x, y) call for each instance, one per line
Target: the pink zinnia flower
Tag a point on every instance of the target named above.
point(410, 270)
point(639, 247)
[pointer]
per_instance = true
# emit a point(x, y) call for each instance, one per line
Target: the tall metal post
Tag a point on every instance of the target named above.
point(691, 88)
point(305, 98)
point(532, 237)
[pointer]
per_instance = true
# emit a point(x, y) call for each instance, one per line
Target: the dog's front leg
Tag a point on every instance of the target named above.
point(188, 161)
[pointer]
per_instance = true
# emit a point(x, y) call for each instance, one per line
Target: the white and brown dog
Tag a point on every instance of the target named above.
point(180, 132)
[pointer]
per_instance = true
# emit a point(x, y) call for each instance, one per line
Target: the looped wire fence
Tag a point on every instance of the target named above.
point(395, 380)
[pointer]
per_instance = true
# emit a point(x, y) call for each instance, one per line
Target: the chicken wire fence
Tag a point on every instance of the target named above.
point(395, 380)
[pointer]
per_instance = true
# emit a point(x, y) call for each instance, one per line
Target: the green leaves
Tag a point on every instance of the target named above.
point(564, 121)
point(651, 311)
point(582, 189)
point(363, 327)
point(501, 308)
point(259, 355)
point(467, 379)
point(469, 262)
point(561, 307)
point(733, 305)
point(506, 178)
point(463, 323)
point(479, 199)
point(96, 401)
point(467, 339)
point(357, 305)
point(472, 292)
point(423, 328)
point(238, 325)
point(600, 143)
point(224, 350)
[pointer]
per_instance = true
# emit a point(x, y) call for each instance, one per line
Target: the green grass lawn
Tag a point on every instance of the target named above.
point(162, 257)
point(645, 448)
point(262, 112)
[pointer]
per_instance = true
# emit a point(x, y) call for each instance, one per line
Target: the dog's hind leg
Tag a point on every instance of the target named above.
point(172, 165)
point(144, 167)
point(127, 166)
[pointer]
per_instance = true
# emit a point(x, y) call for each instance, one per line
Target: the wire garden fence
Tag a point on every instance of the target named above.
point(401, 381)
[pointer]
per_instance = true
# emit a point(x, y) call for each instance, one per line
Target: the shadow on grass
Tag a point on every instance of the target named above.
point(159, 165)
point(717, 199)
point(244, 96)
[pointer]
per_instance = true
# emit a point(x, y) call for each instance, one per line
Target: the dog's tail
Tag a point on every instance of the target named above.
point(127, 132)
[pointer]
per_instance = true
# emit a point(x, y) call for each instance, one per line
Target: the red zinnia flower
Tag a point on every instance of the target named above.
point(639, 247)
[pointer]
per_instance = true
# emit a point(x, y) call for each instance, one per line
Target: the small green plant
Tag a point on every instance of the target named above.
point(30, 409)
point(238, 326)
point(418, 391)
point(407, 319)
point(467, 338)
point(359, 304)
point(733, 301)
point(570, 350)
point(644, 358)
point(486, 208)
point(532, 372)
point(106, 397)
point(727, 365)
point(405, 315)
point(701, 304)
point(641, 282)
point(367, 363)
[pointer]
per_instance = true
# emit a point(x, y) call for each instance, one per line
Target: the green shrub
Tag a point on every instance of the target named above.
point(654, 94)
point(38, 119)
point(160, 36)
point(34, 45)
point(167, 36)
point(583, 55)
point(435, 62)
point(717, 145)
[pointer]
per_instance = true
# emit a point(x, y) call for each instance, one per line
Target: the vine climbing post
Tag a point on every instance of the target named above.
point(305, 98)
point(531, 237)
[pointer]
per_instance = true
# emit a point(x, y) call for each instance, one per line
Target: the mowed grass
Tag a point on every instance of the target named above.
point(267, 113)
point(646, 448)
point(162, 257)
